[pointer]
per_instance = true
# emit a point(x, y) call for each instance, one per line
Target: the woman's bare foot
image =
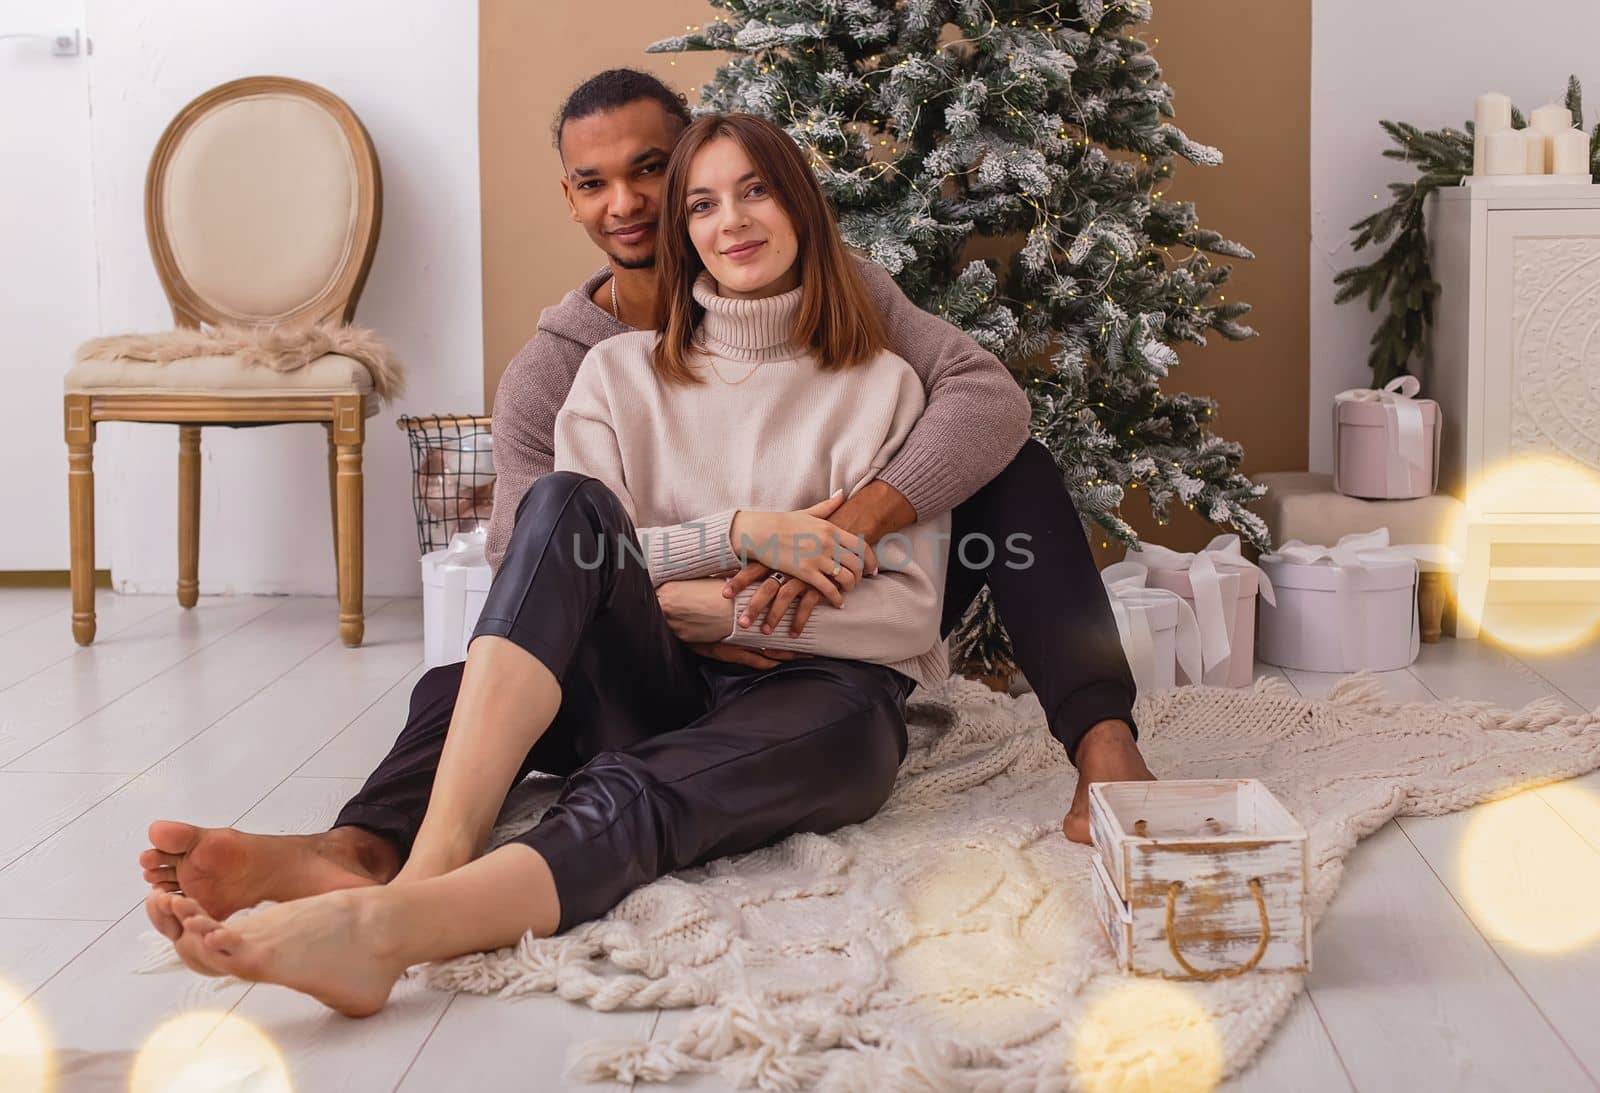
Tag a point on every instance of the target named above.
point(1107, 753)
point(224, 870)
point(161, 908)
point(335, 947)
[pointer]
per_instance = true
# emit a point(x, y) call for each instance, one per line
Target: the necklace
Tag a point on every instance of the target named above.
point(754, 368)
point(615, 312)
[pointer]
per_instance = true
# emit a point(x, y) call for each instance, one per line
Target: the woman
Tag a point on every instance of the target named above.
point(767, 397)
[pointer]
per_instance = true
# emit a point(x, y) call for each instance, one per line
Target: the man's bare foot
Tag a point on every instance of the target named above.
point(334, 947)
point(224, 870)
point(1107, 753)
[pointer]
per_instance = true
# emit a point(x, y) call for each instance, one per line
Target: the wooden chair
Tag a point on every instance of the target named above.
point(262, 206)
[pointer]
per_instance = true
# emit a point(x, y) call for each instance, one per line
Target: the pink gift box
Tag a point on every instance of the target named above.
point(1386, 443)
point(1239, 588)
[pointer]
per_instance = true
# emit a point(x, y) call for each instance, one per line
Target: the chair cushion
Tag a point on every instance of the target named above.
point(1302, 505)
point(327, 375)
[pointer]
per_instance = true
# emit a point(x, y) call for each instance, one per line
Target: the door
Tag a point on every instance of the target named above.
point(48, 302)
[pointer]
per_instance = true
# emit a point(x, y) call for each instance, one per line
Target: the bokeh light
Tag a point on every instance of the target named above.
point(209, 1052)
point(1528, 877)
point(25, 1057)
point(1518, 494)
point(983, 956)
point(1147, 1036)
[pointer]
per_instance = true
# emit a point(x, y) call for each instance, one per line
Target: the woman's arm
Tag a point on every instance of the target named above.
point(586, 442)
point(977, 417)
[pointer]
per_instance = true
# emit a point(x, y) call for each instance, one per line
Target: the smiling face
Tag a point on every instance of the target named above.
point(737, 225)
point(615, 162)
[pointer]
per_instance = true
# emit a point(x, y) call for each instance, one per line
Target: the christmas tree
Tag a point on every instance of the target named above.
point(934, 124)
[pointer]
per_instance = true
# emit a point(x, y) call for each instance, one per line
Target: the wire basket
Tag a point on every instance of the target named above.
point(452, 476)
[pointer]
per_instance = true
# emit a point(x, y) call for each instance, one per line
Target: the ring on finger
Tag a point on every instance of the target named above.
point(834, 572)
point(778, 578)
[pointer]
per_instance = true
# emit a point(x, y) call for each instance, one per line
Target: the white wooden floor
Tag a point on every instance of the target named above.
point(248, 711)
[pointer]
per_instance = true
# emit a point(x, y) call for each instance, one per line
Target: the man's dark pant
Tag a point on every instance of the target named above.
point(673, 759)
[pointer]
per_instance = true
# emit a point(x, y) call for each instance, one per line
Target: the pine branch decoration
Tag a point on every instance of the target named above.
point(1401, 274)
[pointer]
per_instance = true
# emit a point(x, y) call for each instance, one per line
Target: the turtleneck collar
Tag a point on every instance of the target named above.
point(746, 330)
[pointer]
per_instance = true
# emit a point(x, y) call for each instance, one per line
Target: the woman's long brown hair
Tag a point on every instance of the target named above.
point(836, 320)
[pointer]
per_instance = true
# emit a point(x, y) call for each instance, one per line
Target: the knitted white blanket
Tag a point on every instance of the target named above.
point(950, 942)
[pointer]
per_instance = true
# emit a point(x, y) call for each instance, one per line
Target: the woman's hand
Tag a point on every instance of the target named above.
point(696, 610)
point(807, 545)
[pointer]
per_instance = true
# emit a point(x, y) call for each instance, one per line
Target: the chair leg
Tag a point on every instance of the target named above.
point(188, 515)
point(80, 506)
point(348, 431)
point(333, 494)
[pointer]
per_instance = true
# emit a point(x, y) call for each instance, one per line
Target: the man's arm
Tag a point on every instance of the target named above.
point(976, 419)
point(526, 402)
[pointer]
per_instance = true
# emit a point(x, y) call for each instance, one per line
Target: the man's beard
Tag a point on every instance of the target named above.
point(635, 263)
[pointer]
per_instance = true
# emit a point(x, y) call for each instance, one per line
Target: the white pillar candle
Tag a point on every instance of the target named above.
point(1505, 153)
point(1491, 114)
point(1550, 118)
point(1569, 153)
point(1536, 146)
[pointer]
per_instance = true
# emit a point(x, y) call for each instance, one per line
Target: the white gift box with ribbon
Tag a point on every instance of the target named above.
point(1386, 443)
point(1220, 585)
point(455, 583)
point(1157, 627)
point(1344, 608)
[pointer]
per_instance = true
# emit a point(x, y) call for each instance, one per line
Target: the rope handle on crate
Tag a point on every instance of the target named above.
point(1220, 973)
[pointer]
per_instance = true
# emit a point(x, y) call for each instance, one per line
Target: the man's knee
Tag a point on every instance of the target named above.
point(437, 688)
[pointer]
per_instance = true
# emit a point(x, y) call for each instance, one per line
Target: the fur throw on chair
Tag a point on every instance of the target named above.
point(282, 349)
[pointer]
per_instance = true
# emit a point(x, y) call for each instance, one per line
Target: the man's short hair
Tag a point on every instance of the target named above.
point(615, 88)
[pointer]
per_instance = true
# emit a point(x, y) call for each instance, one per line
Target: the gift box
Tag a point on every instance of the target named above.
point(1157, 628)
point(1344, 608)
point(1386, 443)
point(1220, 585)
point(455, 583)
point(1200, 879)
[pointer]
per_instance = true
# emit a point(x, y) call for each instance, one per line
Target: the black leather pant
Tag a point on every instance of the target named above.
point(671, 759)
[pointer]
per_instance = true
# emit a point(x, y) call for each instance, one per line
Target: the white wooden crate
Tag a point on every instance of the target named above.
point(1222, 858)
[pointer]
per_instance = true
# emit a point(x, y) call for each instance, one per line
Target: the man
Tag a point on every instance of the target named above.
point(615, 134)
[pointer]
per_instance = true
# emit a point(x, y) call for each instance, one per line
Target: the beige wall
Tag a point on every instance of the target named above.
point(1241, 72)
point(531, 56)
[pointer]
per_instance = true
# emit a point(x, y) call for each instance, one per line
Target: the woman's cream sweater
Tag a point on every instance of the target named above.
point(767, 430)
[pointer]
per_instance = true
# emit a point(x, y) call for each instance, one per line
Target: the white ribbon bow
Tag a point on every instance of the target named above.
point(1349, 555)
point(465, 553)
point(1125, 587)
point(1203, 567)
point(1402, 426)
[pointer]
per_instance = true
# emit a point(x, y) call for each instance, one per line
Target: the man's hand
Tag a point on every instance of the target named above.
point(874, 511)
point(696, 610)
point(738, 654)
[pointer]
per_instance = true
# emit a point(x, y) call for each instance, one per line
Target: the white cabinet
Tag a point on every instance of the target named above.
point(1515, 361)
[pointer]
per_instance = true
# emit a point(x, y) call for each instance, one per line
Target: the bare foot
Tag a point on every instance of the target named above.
point(163, 911)
point(225, 870)
point(1107, 753)
point(332, 947)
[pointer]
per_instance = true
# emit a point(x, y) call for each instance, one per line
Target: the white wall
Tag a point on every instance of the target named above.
point(48, 301)
point(1425, 62)
point(409, 69)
